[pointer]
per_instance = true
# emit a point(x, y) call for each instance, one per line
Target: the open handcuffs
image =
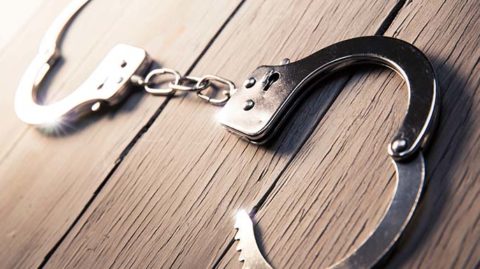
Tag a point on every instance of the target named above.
point(255, 111)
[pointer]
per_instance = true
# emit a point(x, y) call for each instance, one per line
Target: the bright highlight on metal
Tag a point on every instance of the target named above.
point(258, 110)
point(108, 84)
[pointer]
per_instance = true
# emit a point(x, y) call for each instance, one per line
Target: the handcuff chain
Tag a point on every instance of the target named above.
point(186, 83)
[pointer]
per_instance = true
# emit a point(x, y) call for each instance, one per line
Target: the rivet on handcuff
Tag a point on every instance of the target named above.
point(256, 110)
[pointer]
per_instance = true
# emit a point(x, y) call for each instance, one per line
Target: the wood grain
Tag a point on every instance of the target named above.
point(336, 190)
point(171, 202)
point(47, 180)
point(14, 17)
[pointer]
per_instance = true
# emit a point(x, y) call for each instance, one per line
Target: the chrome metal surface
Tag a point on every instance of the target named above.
point(50, 42)
point(188, 84)
point(410, 178)
point(226, 93)
point(275, 99)
point(285, 61)
point(124, 66)
point(250, 254)
point(107, 84)
point(249, 82)
point(255, 112)
point(159, 72)
point(181, 83)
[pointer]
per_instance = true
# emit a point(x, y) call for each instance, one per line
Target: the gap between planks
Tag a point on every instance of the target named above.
point(390, 13)
point(137, 137)
point(258, 205)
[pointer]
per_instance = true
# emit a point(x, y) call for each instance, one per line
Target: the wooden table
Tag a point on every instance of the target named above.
point(156, 182)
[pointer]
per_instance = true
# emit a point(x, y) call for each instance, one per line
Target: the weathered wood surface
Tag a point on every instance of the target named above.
point(334, 193)
point(170, 201)
point(46, 181)
point(13, 18)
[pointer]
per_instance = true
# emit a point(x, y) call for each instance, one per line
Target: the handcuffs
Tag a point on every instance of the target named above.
point(257, 109)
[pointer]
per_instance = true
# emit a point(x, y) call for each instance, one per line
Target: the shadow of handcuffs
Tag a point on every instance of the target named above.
point(260, 106)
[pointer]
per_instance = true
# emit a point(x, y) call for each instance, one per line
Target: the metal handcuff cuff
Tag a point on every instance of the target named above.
point(256, 110)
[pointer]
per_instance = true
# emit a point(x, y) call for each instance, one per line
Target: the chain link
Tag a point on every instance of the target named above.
point(208, 79)
point(180, 83)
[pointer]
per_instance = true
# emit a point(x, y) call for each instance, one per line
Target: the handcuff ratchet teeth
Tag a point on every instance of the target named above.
point(250, 254)
point(257, 110)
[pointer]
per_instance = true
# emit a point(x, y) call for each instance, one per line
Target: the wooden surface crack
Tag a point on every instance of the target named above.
point(137, 137)
point(258, 205)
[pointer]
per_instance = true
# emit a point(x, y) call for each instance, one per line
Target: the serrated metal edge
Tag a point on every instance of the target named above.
point(247, 245)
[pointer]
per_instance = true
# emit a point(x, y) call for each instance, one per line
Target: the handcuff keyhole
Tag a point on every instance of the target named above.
point(124, 63)
point(270, 79)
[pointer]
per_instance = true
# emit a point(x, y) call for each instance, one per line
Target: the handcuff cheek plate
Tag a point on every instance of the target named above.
point(272, 102)
point(256, 111)
point(109, 83)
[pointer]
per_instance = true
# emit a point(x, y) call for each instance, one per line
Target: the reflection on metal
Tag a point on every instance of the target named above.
point(257, 110)
point(409, 185)
point(107, 84)
point(250, 254)
point(280, 88)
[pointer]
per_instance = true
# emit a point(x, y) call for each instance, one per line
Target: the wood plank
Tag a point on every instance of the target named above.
point(14, 17)
point(336, 190)
point(46, 181)
point(171, 202)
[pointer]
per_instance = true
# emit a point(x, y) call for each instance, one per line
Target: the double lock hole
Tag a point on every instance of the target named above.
point(267, 81)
